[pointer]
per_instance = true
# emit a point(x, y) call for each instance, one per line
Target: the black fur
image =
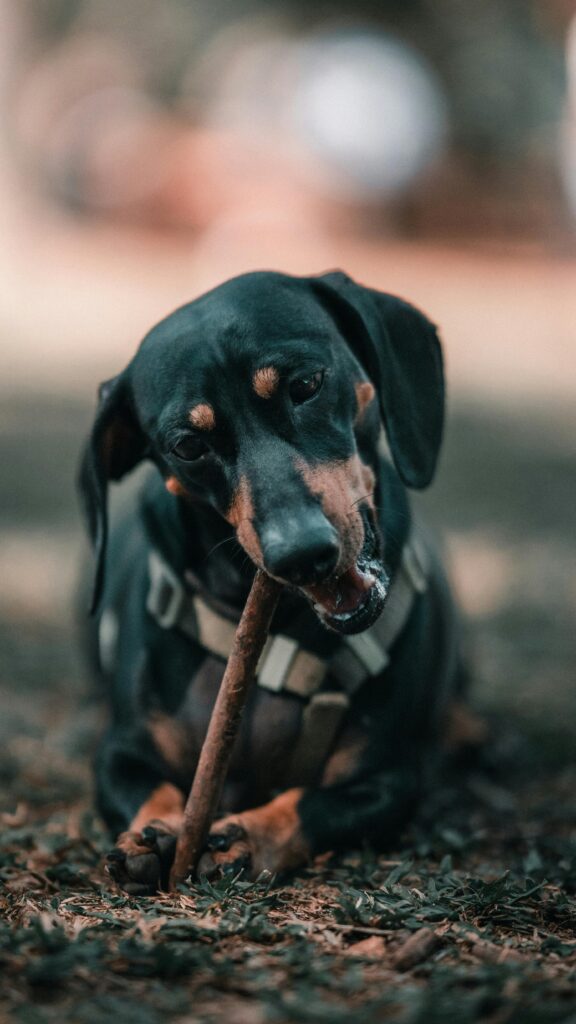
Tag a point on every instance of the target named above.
point(207, 352)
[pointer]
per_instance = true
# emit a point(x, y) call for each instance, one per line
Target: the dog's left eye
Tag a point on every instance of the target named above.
point(189, 449)
point(304, 388)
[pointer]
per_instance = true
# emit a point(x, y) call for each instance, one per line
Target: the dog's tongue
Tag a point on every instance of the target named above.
point(343, 595)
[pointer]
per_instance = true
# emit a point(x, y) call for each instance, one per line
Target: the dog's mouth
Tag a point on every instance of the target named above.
point(352, 601)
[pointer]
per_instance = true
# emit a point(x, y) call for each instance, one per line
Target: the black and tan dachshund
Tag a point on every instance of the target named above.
point(260, 405)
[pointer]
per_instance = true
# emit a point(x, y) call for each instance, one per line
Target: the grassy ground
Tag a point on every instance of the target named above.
point(471, 918)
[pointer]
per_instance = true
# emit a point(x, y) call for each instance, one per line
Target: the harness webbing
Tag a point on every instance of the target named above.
point(284, 665)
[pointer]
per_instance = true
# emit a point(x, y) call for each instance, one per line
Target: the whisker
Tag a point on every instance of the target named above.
point(219, 545)
point(246, 561)
point(358, 500)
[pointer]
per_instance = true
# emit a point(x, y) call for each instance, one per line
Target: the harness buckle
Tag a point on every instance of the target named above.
point(166, 594)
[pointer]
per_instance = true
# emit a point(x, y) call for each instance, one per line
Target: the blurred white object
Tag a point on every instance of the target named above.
point(370, 107)
point(364, 110)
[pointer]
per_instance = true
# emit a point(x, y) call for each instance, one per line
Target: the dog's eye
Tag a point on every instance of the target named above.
point(304, 388)
point(189, 449)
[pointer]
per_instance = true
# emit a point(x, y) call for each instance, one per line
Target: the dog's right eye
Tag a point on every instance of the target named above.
point(190, 449)
point(304, 388)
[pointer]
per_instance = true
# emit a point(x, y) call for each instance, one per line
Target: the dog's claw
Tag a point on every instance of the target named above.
point(115, 856)
point(218, 842)
point(222, 841)
point(242, 863)
point(149, 836)
point(211, 869)
point(227, 852)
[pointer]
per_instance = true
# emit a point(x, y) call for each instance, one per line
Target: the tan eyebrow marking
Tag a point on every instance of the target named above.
point(365, 393)
point(265, 381)
point(173, 485)
point(202, 416)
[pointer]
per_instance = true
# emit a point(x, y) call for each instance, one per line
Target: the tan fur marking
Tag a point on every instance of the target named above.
point(173, 485)
point(202, 417)
point(165, 804)
point(132, 844)
point(273, 835)
point(240, 516)
point(265, 381)
point(342, 488)
point(365, 393)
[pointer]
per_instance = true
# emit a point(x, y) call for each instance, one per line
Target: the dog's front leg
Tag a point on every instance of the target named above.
point(267, 838)
point(142, 857)
point(287, 832)
point(142, 805)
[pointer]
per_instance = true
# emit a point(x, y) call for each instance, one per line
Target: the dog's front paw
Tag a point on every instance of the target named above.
point(267, 838)
point(141, 861)
point(228, 850)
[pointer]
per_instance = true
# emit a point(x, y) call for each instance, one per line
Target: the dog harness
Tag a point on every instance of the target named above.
point(327, 684)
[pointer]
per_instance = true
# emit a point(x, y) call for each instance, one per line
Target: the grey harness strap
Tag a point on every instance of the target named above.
point(284, 666)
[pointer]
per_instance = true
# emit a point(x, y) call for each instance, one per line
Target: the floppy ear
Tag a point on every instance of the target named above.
point(400, 351)
point(116, 444)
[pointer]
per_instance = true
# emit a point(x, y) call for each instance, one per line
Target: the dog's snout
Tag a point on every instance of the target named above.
point(301, 555)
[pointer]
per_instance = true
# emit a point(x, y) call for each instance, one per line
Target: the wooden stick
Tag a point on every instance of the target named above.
point(225, 720)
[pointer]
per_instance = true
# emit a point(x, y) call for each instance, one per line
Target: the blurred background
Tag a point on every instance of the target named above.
point(153, 148)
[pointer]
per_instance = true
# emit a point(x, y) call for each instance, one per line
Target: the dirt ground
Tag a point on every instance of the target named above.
point(471, 918)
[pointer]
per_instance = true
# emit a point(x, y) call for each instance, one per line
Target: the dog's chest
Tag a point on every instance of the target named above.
point(262, 759)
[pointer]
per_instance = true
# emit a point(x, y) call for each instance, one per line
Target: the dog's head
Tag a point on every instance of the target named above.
point(264, 398)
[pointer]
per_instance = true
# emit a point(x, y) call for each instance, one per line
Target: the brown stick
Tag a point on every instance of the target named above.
point(415, 949)
point(224, 723)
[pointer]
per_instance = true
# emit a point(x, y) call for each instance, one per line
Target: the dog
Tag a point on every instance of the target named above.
point(261, 405)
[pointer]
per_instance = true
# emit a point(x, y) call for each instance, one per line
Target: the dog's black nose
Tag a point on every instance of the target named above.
point(303, 556)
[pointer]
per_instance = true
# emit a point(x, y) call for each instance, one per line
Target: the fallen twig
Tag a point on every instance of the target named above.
point(415, 949)
point(217, 748)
